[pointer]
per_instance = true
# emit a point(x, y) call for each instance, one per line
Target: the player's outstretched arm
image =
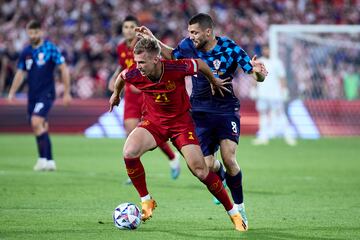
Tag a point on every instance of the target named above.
point(113, 79)
point(65, 75)
point(259, 70)
point(219, 84)
point(144, 32)
point(118, 87)
point(18, 79)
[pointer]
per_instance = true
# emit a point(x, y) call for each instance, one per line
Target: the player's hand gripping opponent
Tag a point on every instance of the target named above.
point(220, 85)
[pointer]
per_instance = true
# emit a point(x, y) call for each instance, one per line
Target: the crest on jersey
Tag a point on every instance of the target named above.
point(41, 59)
point(217, 64)
point(170, 85)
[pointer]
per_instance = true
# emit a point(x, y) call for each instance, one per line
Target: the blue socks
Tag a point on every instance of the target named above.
point(234, 183)
point(44, 146)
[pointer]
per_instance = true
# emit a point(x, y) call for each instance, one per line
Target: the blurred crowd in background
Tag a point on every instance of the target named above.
point(88, 31)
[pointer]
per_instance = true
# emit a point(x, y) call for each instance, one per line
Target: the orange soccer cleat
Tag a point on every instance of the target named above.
point(147, 209)
point(239, 223)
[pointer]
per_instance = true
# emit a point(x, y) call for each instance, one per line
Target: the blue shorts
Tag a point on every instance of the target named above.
point(211, 128)
point(40, 107)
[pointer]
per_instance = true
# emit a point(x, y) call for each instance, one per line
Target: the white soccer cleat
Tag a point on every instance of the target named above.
point(290, 141)
point(175, 166)
point(260, 141)
point(50, 165)
point(241, 208)
point(41, 165)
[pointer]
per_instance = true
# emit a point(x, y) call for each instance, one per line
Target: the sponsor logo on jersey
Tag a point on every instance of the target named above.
point(191, 136)
point(170, 85)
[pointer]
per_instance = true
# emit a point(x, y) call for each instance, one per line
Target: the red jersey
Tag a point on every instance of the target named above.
point(126, 56)
point(166, 99)
point(133, 100)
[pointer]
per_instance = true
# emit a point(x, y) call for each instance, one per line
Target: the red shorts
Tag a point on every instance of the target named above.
point(133, 103)
point(181, 131)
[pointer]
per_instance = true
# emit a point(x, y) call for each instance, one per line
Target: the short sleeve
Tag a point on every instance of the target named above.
point(56, 55)
point(190, 66)
point(243, 59)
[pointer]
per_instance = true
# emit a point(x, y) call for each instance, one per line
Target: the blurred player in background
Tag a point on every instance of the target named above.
point(39, 60)
point(216, 118)
point(166, 116)
point(270, 102)
point(133, 96)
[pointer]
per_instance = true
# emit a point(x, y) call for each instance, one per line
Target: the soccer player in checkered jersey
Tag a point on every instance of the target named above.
point(133, 96)
point(216, 117)
point(39, 61)
point(166, 116)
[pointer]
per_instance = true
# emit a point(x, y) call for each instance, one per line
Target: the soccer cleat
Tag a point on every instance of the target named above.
point(216, 201)
point(50, 165)
point(290, 141)
point(40, 165)
point(241, 208)
point(128, 181)
point(238, 222)
point(260, 141)
point(147, 209)
point(175, 166)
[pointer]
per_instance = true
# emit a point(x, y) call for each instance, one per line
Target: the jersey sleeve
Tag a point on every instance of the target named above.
point(21, 62)
point(179, 51)
point(56, 55)
point(131, 75)
point(243, 59)
point(189, 67)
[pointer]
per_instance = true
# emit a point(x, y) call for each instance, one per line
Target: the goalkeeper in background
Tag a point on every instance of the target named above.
point(270, 97)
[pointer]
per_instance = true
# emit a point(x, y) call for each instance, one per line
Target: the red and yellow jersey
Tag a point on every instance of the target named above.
point(167, 98)
point(125, 55)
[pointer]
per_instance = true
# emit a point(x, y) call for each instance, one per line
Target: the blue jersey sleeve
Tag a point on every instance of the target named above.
point(56, 55)
point(243, 59)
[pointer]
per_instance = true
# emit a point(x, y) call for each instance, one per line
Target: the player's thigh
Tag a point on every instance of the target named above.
point(130, 124)
point(195, 160)
point(138, 142)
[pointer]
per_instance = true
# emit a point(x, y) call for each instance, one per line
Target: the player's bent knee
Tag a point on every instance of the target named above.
point(201, 173)
point(131, 152)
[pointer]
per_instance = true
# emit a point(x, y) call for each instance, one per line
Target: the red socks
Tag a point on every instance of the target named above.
point(215, 186)
point(167, 150)
point(136, 173)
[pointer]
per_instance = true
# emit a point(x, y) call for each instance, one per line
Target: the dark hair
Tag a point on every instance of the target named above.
point(147, 45)
point(131, 18)
point(203, 19)
point(33, 24)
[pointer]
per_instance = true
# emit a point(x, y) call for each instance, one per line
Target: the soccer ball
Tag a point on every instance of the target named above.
point(127, 216)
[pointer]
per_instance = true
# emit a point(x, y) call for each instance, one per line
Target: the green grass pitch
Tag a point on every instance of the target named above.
point(311, 191)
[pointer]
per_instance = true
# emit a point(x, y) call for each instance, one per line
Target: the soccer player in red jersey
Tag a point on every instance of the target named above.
point(133, 96)
point(166, 116)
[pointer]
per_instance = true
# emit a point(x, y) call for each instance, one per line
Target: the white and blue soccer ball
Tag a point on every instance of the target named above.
point(127, 216)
